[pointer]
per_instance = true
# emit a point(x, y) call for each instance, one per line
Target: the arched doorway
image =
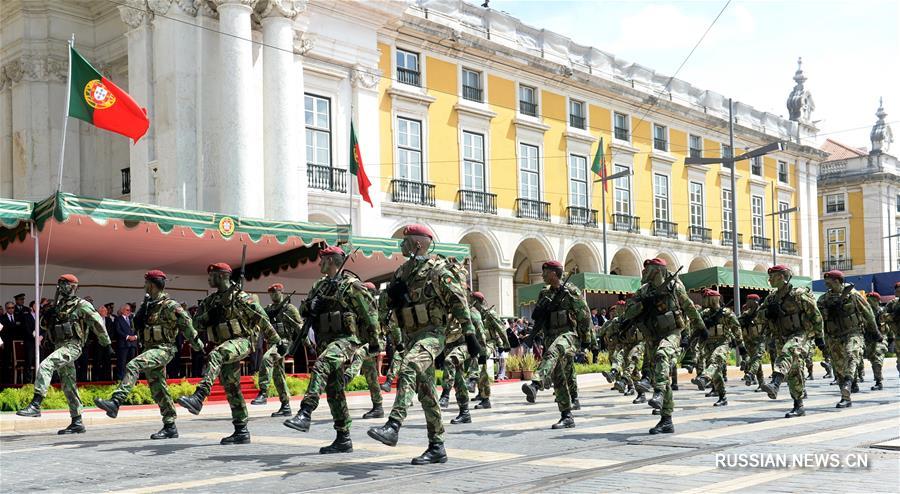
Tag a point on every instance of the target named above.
point(626, 262)
point(530, 255)
point(582, 259)
point(762, 268)
point(697, 264)
point(485, 255)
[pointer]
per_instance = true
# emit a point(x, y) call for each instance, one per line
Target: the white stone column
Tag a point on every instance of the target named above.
point(497, 286)
point(284, 139)
point(142, 154)
point(6, 149)
point(240, 184)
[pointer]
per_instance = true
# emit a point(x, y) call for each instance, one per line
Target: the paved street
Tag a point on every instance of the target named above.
point(509, 448)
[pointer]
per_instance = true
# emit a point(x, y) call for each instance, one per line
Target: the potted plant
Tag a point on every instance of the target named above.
point(514, 367)
point(529, 365)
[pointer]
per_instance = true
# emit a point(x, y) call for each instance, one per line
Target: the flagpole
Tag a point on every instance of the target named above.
point(350, 182)
point(62, 147)
point(603, 196)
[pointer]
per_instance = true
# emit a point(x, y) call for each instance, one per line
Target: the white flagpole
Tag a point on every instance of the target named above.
point(62, 147)
point(37, 298)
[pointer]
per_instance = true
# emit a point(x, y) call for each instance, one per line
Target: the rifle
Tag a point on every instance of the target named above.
point(542, 310)
point(649, 300)
point(314, 306)
point(279, 307)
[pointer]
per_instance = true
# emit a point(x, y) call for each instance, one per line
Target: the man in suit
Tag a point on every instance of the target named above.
point(25, 324)
point(127, 342)
point(8, 332)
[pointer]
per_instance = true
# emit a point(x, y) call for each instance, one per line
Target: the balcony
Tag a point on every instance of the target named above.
point(700, 234)
point(126, 181)
point(789, 248)
point(412, 192)
point(472, 93)
point(528, 108)
point(407, 76)
point(626, 223)
point(581, 216)
point(577, 121)
point(727, 237)
point(479, 202)
point(759, 243)
point(326, 178)
point(662, 228)
point(534, 210)
point(839, 264)
point(660, 144)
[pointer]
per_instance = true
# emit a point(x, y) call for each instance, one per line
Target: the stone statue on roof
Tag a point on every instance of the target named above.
point(800, 102)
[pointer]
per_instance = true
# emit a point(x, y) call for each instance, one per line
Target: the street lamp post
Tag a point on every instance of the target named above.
point(603, 180)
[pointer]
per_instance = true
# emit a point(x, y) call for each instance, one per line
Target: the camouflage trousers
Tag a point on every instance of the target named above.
point(486, 374)
point(328, 375)
point(756, 349)
point(846, 355)
point(631, 362)
point(152, 362)
point(62, 361)
point(571, 377)
point(664, 356)
point(790, 363)
point(367, 365)
point(717, 358)
point(416, 372)
point(874, 353)
point(225, 359)
point(455, 373)
point(273, 365)
point(554, 369)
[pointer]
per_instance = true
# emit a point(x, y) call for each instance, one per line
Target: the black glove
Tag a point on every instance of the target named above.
point(472, 345)
point(439, 360)
point(374, 347)
point(398, 346)
point(820, 343)
point(282, 347)
point(685, 342)
point(742, 351)
point(503, 349)
point(703, 334)
point(482, 358)
point(585, 345)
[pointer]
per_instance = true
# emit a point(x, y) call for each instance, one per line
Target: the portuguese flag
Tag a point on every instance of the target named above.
point(356, 167)
point(96, 100)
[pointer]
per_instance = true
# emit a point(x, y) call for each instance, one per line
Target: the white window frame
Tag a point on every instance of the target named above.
point(536, 96)
point(522, 171)
point(787, 172)
point(316, 130)
point(665, 138)
point(622, 185)
point(662, 203)
point(697, 204)
point(420, 67)
point(398, 148)
point(727, 217)
point(784, 223)
point(627, 120)
point(583, 104)
point(474, 160)
point(756, 163)
point(839, 200)
point(481, 84)
point(585, 180)
point(758, 218)
point(839, 244)
point(691, 137)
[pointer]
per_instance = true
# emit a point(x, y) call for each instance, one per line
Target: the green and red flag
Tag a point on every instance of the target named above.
point(96, 100)
point(599, 165)
point(357, 168)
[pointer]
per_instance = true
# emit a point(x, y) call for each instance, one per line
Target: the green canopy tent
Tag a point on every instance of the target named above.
point(719, 277)
point(587, 282)
point(15, 219)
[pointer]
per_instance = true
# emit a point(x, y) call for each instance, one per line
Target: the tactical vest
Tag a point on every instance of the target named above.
point(718, 332)
point(67, 326)
point(754, 330)
point(848, 321)
point(278, 323)
point(666, 317)
point(336, 319)
point(425, 308)
point(789, 323)
point(232, 323)
point(157, 331)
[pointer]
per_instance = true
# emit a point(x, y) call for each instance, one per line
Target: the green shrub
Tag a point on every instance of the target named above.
point(590, 368)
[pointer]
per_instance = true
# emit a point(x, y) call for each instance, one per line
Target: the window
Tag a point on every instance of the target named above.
point(837, 243)
point(726, 153)
point(318, 130)
point(696, 198)
point(660, 138)
point(473, 161)
point(578, 181)
point(784, 223)
point(472, 89)
point(783, 172)
point(660, 197)
point(408, 68)
point(756, 214)
point(576, 114)
point(834, 203)
point(727, 204)
point(621, 126)
point(695, 145)
point(622, 191)
point(528, 100)
point(898, 203)
point(409, 149)
point(529, 173)
point(756, 167)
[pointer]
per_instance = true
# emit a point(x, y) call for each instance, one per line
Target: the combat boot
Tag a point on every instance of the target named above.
point(629, 390)
point(809, 374)
point(388, 433)
point(655, 412)
point(341, 444)
point(33, 409)
point(845, 394)
point(376, 412)
point(444, 402)
point(301, 421)
point(643, 385)
point(566, 421)
point(471, 384)
point(748, 379)
point(797, 411)
point(434, 454)
point(284, 411)
point(656, 400)
point(610, 375)
point(386, 385)
point(576, 405)
point(710, 393)
point(827, 366)
point(169, 431)
point(771, 388)
point(531, 390)
point(619, 385)
point(485, 403)
point(240, 436)
point(665, 426)
point(722, 401)
point(878, 386)
point(641, 398)
point(478, 397)
point(674, 375)
point(194, 402)
point(854, 387)
point(260, 399)
point(463, 417)
point(701, 382)
point(110, 406)
point(76, 427)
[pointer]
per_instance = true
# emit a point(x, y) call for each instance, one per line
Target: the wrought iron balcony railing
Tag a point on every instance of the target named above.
point(626, 223)
point(531, 209)
point(411, 192)
point(326, 178)
point(581, 216)
point(700, 234)
point(473, 200)
point(661, 228)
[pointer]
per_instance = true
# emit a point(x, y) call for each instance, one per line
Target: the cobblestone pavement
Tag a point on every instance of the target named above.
point(509, 448)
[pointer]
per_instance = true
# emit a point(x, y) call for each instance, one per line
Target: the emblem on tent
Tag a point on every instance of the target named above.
point(98, 96)
point(227, 226)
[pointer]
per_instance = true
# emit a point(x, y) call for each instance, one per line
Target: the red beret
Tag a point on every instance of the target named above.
point(655, 262)
point(417, 229)
point(154, 274)
point(620, 302)
point(711, 293)
point(478, 295)
point(552, 265)
point(68, 277)
point(873, 294)
point(834, 273)
point(275, 286)
point(219, 266)
point(780, 268)
point(369, 285)
point(753, 296)
point(333, 250)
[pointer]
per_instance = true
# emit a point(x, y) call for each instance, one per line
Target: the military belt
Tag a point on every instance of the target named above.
point(419, 316)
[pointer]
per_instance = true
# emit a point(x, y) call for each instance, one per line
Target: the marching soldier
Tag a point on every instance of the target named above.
point(892, 321)
point(755, 340)
point(286, 321)
point(366, 363)
point(495, 335)
point(722, 327)
point(564, 318)
point(68, 324)
point(630, 343)
point(608, 333)
point(659, 309)
point(424, 294)
point(231, 318)
point(158, 322)
point(875, 341)
point(343, 314)
point(791, 317)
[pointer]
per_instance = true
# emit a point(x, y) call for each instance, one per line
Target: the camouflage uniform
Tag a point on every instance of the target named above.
point(891, 323)
point(626, 360)
point(286, 321)
point(755, 340)
point(722, 327)
point(876, 346)
point(847, 316)
point(456, 361)
point(495, 335)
